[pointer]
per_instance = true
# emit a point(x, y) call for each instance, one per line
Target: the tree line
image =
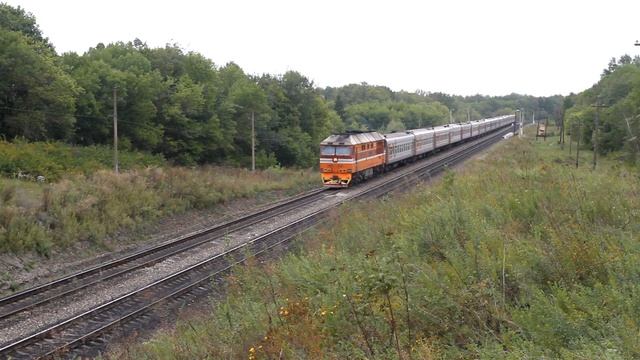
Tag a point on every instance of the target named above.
point(180, 104)
point(618, 95)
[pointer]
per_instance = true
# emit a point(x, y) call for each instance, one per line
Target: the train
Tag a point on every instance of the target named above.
point(351, 157)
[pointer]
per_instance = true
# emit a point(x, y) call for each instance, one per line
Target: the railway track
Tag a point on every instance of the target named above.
point(88, 327)
point(45, 293)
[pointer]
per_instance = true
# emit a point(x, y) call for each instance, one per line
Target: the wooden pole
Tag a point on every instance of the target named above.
point(578, 141)
point(571, 137)
point(115, 130)
point(253, 142)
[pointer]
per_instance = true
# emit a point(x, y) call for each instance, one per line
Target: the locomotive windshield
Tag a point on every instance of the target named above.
point(327, 150)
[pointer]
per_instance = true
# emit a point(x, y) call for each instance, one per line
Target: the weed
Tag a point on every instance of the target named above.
point(39, 217)
point(523, 256)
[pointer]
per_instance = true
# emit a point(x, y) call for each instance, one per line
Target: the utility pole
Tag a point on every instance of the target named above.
point(561, 140)
point(595, 131)
point(450, 117)
point(115, 130)
point(253, 142)
point(631, 136)
point(571, 137)
point(578, 141)
point(521, 126)
point(468, 114)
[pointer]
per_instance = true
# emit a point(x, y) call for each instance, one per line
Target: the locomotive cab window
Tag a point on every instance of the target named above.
point(327, 150)
point(343, 150)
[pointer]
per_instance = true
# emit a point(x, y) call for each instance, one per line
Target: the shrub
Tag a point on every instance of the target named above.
point(39, 217)
point(522, 257)
point(53, 160)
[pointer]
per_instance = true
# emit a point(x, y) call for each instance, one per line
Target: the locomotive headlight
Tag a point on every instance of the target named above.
point(335, 159)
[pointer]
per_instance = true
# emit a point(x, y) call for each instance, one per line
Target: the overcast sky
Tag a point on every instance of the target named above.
point(491, 47)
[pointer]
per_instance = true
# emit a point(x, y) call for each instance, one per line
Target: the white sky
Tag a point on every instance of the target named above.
point(491, 47)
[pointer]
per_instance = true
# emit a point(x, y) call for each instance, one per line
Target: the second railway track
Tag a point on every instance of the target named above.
point(70, 284)
point(90, 325)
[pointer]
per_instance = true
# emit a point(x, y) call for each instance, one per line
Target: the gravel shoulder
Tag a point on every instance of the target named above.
point(29, 322)
point(27, 270)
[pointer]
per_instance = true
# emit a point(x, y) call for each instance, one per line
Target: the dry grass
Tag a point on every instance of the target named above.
point(38, 217)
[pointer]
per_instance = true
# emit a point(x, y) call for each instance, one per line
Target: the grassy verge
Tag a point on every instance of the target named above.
point(54, 160)
point(523, 256)
point(40, 217)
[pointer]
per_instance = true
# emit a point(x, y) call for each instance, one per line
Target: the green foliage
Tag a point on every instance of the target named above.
point(54, 160)
point(18, 20)
point(523, 256)
point(39, 217)
point(37, 99)
point(366, 101)
point(379, 115)
point(183, 106)
point(619, 90)
point(170, 102)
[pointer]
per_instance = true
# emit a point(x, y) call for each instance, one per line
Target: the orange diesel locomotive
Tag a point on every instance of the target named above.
point(348, 158)
point(351, 157)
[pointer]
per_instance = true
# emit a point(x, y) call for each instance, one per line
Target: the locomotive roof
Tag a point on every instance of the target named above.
point(352, 138)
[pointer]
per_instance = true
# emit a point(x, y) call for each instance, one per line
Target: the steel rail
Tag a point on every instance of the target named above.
point(58, 338)
point(57, 331)
point(19, 302)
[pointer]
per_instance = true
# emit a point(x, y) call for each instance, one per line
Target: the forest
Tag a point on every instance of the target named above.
point(181, 105)
point(617, 96)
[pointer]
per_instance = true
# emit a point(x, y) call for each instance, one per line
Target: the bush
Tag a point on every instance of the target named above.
point(53, 160)
point(39, 217)
point(522, 257)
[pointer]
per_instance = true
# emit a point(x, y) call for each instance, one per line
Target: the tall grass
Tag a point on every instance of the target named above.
point(39, 217)
point(523, 256)
point(54, 160)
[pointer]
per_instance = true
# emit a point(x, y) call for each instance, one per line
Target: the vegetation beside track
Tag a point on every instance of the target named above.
point(41, 217)
point(521, 256)
point(54, 160)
